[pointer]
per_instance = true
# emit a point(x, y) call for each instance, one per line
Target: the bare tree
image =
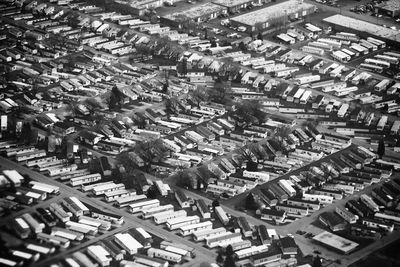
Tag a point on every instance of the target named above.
point(199, 95)
point(151, 151)
point(172, 104)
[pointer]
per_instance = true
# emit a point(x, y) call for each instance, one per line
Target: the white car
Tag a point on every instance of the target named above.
point(241, 29)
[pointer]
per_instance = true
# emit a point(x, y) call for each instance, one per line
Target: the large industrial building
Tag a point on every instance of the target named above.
point(271, 16)
point(336, 242)
point(198, 13)
point(363, 28)
point(234, 6)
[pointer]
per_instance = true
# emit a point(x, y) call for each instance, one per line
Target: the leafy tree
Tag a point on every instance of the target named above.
point(385, 108)
point(116, 99)
point(258, 151)
point(215, 203)
point(172, 105)
point(213, 43)
point(317, 262)
point(204, 173)
point(165, 87)
point(221, 92)
point(152, 192)
point(229, 251)
point(220, 258)
point(184, 179)
point(250, 202)
point(129, 164)
point(242, 46)
point(26, 134)
point(259, 36)
point(229, 262)
point(381, 148)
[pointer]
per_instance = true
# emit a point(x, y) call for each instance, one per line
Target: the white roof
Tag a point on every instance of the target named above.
point(270, 12)
point(143, 232)
point(128, 241)
point(271, 232)
point(363, 26)
point(13, 175)
point(100, 252)
point(336, 241)
point(22, 222)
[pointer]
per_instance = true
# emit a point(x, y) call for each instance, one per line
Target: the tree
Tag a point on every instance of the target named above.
point(229, 251)
point(250, 202)
point(213, 43)
point(242, 46)
point(229, 262)
point(151, 151)
point(385, 108)
point(199, 95)
point(245, 154)
point(381, 148)
point(260, 36)
point(282, 132)
point(186, 180)
point(204, 173)
point(93, 104)
point(317, 262)
point(152, 192)
point(258, 151)
point(116, 99)
point(215, 203)
point(26, 134)
point(221, 92)
point(220, 258)
point(172, 105)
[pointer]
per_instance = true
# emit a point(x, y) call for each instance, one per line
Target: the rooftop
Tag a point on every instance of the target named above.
point(141, 3)
point(363, 26)
point(195, 12)
point(390, 5)
point(270, 12)
point(230, 3)
point(335, 241)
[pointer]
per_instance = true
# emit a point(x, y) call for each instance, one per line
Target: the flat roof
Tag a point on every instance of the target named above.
point(363, 26)
point(335, 241)
point(230, 3)
point(270, 12)
point(195, 12)
point(391, 5)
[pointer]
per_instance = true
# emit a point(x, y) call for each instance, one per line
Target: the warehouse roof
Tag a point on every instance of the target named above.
point(363, 26)
point(231, 3)
point(390, 5)
point(270, 12)
point(342, 244)
point(195, 12)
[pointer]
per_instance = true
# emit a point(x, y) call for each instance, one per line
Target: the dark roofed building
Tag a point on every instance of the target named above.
point(332, 220)
point(288, 246)
point(182, 199)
